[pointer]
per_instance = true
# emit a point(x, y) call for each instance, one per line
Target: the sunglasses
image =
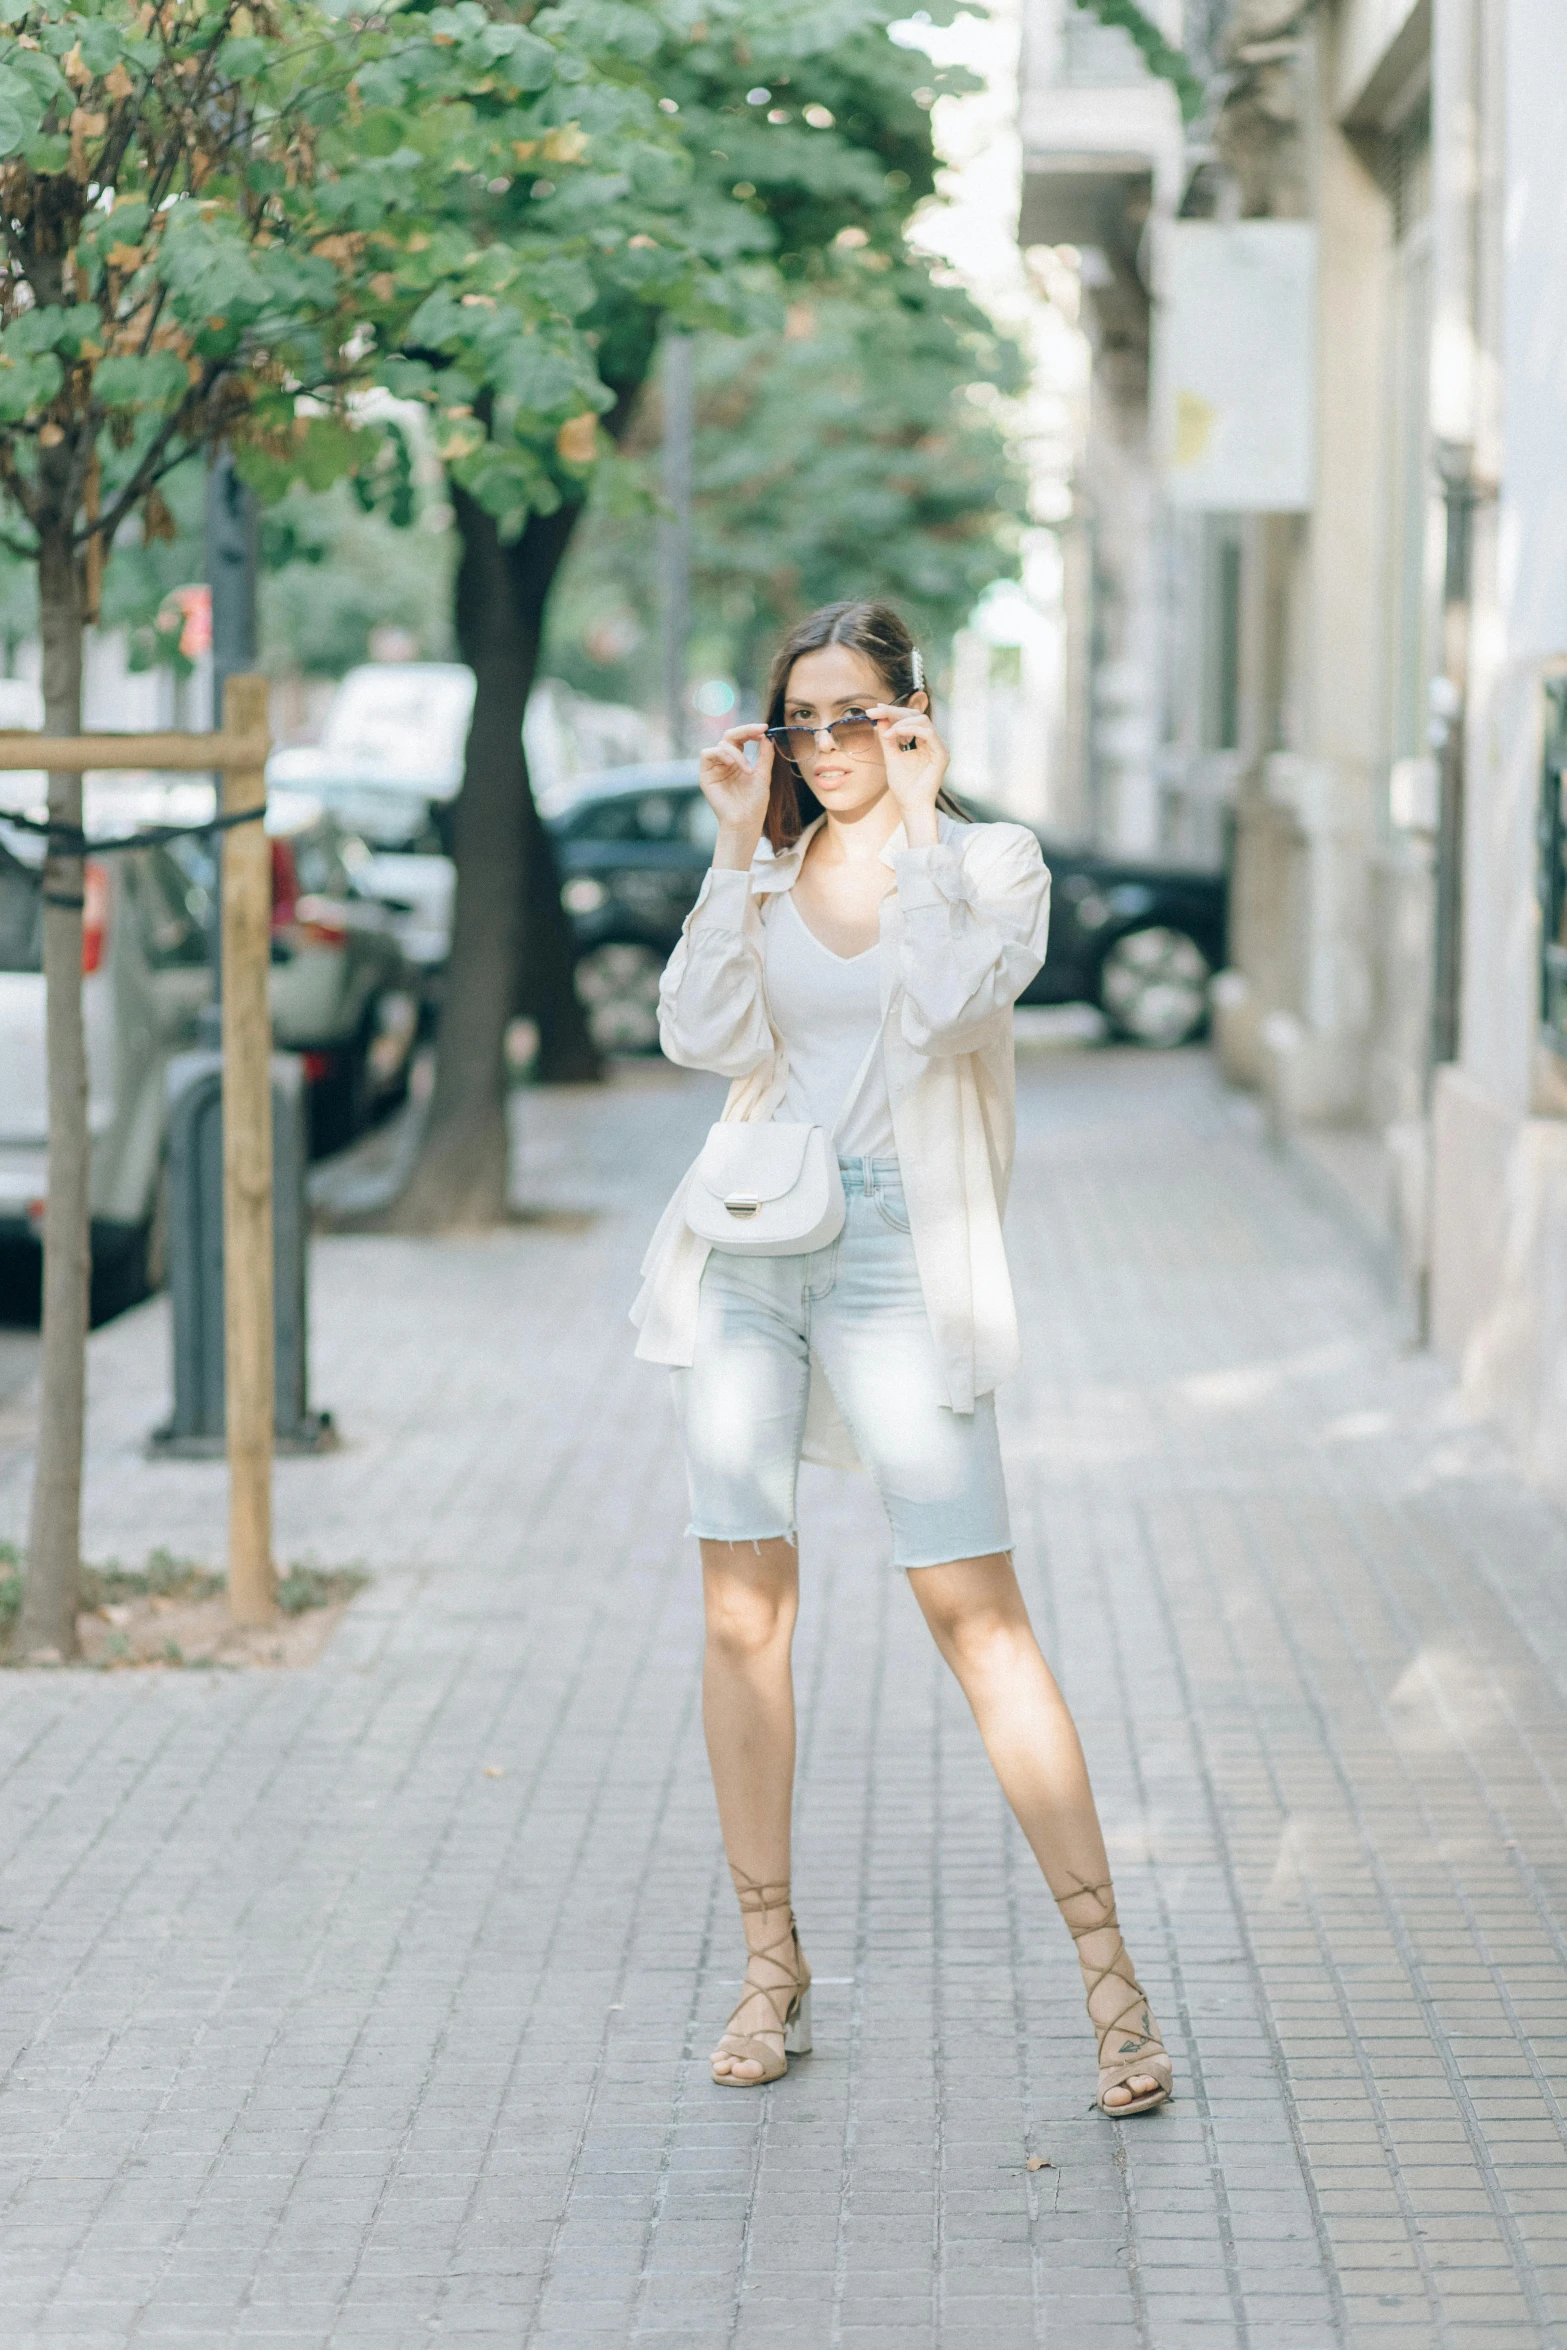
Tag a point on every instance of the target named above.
point(852, 732)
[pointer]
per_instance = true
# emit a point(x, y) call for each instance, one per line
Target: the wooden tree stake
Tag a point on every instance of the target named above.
point(247, 1168)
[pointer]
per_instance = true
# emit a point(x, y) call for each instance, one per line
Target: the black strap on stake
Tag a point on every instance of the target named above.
point(69, 840)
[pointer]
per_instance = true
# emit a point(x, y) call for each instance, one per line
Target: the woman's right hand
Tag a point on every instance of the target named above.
point(737, 792)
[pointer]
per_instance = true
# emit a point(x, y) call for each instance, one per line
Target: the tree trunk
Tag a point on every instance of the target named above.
point(507, 891)
point(48, 1621)
point(546, 969)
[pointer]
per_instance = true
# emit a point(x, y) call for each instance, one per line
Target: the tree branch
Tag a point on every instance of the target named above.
point(151, 469)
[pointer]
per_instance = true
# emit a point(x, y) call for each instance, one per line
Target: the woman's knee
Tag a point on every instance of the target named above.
point(984, 1641)
point(976, 1613)
point(751, 1601)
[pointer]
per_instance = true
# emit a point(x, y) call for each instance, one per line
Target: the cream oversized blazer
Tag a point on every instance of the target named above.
point(962, 934)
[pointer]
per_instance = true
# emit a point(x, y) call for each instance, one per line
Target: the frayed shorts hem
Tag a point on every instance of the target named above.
point(950, 1558)
point(789, 1534)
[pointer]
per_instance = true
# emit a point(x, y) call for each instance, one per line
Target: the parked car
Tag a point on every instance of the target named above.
point(1141, 941)
point(632, 850)
point(406, 869)
point(391, 726)
point(387, 768)
point(342, 995)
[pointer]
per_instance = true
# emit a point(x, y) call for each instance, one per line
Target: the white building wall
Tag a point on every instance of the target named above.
point(1499, 1196)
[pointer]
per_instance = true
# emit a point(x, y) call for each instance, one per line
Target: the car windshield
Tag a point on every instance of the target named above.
point(318, 861)
point(648, 816)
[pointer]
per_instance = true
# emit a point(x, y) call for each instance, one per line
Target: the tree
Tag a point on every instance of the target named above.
point(200, 200)
point(859, 453)
point(795, 124)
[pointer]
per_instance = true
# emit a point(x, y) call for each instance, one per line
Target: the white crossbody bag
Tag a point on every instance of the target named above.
point(765, 1190)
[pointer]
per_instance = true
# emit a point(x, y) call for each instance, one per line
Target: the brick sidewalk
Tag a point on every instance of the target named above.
point(312, 2032)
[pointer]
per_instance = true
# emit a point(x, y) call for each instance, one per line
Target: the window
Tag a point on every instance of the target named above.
point(173, 908)
point(318, 863)
point(612, 819)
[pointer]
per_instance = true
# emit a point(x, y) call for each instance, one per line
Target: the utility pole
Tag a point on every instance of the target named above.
point(674, 537)
point(232, 552)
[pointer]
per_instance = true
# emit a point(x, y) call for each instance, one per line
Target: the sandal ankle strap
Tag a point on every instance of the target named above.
point(1104, 1895)
point(753, 1894)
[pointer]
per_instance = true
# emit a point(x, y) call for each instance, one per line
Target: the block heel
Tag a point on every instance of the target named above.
point(797, 2026)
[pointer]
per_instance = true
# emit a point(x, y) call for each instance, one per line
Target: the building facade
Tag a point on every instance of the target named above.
point(1351, 668)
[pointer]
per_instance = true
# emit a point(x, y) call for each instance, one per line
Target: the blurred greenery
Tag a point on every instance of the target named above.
point(859, 452)
point(331, 572)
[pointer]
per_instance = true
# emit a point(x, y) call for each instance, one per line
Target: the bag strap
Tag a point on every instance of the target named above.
point(770, 1099)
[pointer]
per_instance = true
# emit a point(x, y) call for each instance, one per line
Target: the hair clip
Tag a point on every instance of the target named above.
point(918, 668)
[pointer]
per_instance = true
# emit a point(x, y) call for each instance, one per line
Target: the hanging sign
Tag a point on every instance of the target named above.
point(1234, 364)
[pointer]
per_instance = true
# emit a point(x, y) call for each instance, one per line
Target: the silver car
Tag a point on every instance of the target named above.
point(343, 995)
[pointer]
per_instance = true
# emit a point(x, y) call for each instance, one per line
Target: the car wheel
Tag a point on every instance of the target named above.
point(617, 986)
point(1153, 987)
point(134, 1262)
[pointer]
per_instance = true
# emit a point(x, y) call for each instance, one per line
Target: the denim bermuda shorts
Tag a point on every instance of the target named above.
point(854, 1308)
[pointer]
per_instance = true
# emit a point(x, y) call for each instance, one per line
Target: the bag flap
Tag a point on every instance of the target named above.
point(756, 1162)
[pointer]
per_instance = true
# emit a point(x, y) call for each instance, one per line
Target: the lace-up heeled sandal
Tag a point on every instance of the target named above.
point(1129, 2044)
point(773, 2020)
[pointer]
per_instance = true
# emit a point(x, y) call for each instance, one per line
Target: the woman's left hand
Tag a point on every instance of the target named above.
point(916, 759)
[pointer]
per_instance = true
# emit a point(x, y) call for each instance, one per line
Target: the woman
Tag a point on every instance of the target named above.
point(852, 963)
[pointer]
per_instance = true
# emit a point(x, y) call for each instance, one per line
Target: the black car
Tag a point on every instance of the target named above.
point(1140, 941)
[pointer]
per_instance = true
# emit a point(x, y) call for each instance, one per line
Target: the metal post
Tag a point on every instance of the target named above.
point(675, 533)
point(247, 1171)
point(233, 535)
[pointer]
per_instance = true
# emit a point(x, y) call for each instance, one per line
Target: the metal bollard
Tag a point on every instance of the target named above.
point(195, 1430)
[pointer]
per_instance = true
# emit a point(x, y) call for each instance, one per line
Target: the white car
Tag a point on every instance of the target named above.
point(393, 726)
point(388, 766)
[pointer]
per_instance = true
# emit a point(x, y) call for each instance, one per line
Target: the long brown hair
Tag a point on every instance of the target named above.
point(878, 632)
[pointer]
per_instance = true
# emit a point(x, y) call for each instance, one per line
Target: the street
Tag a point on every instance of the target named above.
point(369, 2003)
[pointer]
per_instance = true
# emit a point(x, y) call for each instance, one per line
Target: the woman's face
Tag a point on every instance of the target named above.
point(845, 770)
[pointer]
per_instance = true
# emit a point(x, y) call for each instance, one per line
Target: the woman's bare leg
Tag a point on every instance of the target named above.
point(976, 1612)
point(752, 1596)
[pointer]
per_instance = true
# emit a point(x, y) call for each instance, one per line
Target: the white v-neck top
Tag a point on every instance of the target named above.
point(827, 1011)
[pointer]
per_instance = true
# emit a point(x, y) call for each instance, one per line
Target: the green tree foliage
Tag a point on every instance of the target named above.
point(220, 218)
point(333, 573)
point(198, 197)
point(787, 125)
point(857, 453)
point(794, 123)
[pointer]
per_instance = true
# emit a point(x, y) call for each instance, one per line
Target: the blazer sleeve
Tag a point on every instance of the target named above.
point(712, 1013)
point(975, 918)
